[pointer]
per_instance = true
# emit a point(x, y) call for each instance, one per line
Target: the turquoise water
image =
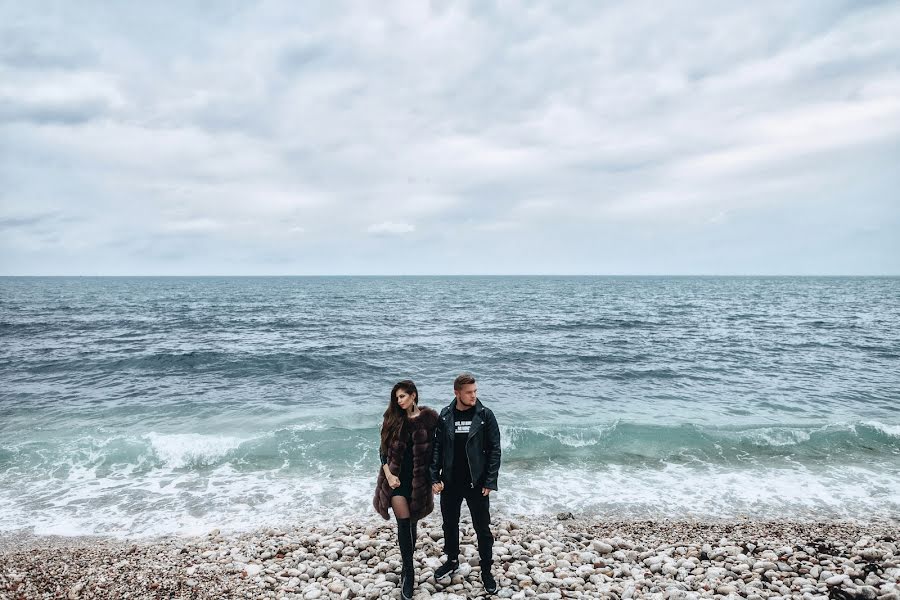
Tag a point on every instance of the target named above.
point(136, 406)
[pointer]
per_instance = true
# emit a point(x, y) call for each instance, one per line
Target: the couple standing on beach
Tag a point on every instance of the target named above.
point(455, 454)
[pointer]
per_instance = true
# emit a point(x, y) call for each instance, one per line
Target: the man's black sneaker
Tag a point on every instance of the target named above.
point(446, 570)
point(490, 584)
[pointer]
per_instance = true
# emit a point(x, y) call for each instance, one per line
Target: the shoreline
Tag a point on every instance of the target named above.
point(534, 557)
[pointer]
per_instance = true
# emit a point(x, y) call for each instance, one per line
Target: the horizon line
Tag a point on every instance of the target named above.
point(463, 275)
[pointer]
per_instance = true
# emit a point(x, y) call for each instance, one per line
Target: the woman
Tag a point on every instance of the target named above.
point(403, 481)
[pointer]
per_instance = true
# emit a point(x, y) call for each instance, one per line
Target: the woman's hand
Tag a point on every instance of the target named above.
point(393, 481)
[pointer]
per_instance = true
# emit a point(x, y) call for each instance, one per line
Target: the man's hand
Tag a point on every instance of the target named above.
point(437, 488)
point(485, 491)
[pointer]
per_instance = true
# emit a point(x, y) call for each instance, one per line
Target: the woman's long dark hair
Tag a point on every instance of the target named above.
point(394, 416)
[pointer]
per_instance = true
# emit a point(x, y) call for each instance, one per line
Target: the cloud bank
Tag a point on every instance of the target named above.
point(619, 138)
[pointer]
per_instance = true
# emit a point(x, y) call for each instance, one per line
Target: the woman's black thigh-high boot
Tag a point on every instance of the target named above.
point(407, 576)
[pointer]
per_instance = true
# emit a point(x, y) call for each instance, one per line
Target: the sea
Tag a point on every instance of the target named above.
point(144, 406)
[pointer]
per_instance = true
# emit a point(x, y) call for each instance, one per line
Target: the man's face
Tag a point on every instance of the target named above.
point(467, 394)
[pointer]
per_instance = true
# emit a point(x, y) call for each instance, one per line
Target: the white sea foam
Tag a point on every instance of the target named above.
point(185, 502)
point(511, 436)
point(182, 449)
point(891, 430)
point(776, 436)
point(310, 426)
point(680, 491)
point(507, 437)
point(138, 486)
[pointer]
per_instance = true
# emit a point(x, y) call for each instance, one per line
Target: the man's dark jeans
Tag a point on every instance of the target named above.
point(480, 508)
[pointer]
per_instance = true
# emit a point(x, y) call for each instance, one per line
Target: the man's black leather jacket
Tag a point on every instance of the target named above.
point(482, 447)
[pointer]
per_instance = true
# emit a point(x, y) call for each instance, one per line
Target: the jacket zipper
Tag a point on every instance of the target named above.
point(471, 476)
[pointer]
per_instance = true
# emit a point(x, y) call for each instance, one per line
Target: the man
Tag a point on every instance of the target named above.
point(465, 464)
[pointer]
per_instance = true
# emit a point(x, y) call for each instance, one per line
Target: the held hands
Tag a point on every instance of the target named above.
point(437, 488)
point(393, 481)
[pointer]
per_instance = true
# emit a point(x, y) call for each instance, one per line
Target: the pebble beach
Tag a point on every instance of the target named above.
point(559, 556)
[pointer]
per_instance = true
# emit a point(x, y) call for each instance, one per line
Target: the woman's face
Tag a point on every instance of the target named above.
point(405, 400)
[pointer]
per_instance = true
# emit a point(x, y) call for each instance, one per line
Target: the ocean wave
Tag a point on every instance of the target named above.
point(309, 426)
point(600, 324)
point(178, 450)
point(314, 444)
point(155, 482)
point(889, 430)
point(309, 366)
point(626, 443)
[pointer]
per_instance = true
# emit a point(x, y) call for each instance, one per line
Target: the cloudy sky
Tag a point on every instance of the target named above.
point(487, 137)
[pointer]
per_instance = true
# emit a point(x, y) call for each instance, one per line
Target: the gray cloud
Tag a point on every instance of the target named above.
point(14, 222)
point(37, 48)
point(61, 113)
point(296, 58)
point(524, 138)
point(390, 228)
point(36, 221)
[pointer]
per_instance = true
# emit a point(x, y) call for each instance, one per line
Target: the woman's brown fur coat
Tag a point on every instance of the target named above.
point(421, 431)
